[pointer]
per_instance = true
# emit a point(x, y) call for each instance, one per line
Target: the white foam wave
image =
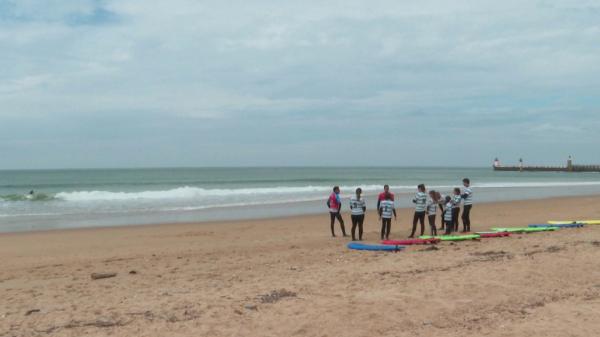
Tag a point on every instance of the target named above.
point(299, 192)
point(538, 184)
point(199, 193)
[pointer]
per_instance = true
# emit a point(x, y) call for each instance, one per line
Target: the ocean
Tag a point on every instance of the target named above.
point(115, 197)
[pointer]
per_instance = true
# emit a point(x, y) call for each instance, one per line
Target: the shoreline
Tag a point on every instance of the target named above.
point(345, 214)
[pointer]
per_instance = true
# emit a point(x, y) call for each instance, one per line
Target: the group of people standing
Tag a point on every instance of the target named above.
point(426, 203)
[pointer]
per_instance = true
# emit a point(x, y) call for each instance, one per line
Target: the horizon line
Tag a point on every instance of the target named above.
point(235, 167)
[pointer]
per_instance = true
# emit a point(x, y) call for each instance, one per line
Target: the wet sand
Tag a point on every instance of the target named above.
point(288, 277)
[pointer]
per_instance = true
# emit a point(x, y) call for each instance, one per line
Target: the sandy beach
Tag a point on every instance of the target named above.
point(288, 277)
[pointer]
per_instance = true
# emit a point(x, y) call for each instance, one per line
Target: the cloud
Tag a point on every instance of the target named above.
point(287, 75)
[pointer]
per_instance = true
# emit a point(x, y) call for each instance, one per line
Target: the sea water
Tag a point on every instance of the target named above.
point(111, 197)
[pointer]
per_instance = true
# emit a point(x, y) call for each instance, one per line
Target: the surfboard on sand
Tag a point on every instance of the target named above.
point(451, 237)
point(364, 246)
point(584, 222)
point(410, 242)
point(485, 235)
point(565, 225)
point(524, 229)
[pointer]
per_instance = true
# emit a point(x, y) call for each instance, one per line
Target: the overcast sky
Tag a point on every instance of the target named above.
point(133, 83)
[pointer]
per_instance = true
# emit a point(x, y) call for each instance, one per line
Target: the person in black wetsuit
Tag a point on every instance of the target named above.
point(358, 208)
point(467, 196)
point(448, 216)
point(456, 200)
point(441, 200)
point(386, 209)
point(432, 205)
point(334, 203)
point(420, 201)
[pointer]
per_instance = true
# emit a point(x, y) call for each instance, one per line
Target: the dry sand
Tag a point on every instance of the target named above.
point(287, 277)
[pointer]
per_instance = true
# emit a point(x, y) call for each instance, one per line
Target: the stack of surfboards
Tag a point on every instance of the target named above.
point(397, 245)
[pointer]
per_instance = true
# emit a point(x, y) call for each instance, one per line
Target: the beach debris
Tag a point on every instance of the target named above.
point(276, 295)
point(98, 323)
point(98, 276)
point(253, 307)
point(29, 312)
point(554, 249)
point(596, 243)
point(149, 315)
point(551, 249)
point(132, 272)
point(430, 248)
point(492, 255)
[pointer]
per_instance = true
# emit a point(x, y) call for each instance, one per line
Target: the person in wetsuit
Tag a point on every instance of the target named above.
point(420, 201)
point(441, 201)
point(432, 206)
point(381, 196)
point(467, 196)
point(386, 209)
point(456, 200)
point(448, 216)
point(334, 203)
point(358, 207)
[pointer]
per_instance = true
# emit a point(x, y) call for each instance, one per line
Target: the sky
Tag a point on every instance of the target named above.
point(132, 83)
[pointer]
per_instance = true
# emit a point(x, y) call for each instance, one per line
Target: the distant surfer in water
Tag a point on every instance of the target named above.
point(334, 203)
point(30, 195)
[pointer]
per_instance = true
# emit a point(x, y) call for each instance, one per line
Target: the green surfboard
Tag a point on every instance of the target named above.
point(524, 229)
point(451, 237)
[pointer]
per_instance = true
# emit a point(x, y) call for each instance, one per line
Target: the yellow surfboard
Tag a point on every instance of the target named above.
point(585, 222)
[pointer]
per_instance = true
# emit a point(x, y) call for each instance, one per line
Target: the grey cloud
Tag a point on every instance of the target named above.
point(200, 78)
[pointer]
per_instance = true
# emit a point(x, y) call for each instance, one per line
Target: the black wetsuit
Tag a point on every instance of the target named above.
point(337, 215)
point(432, 224)
point(386, 225)
point(466, 218)
point(420, 217)
point(455, 215)
point(357, 220)
point(449, 223)
point(443, 222)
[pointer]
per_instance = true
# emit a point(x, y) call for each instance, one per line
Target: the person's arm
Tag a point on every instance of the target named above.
point(395, 217)
point(364, 207)
point(378, 202)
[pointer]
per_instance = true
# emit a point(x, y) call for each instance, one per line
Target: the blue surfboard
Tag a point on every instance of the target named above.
point(364, 246)
point(565, 225)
